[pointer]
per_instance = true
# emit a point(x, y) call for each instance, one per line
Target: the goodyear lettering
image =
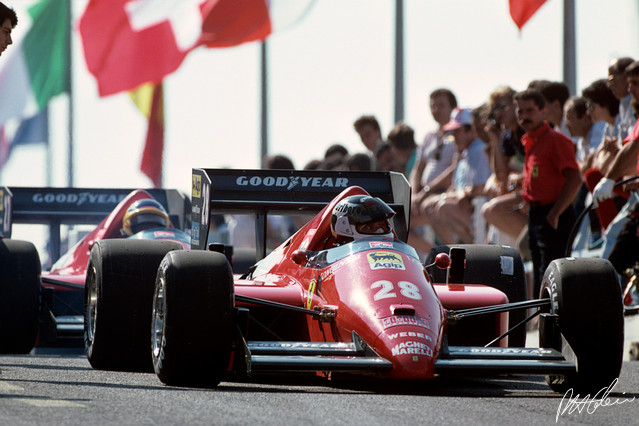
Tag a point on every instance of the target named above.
point(526, 351)
point(393, 321)
point(412, 348)
point(305, 345)
point(291, 181)
point(553, 289)
point(394, 336)
point(77, 199)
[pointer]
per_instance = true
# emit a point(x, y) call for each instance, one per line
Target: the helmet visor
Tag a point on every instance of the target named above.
point(374, 228)
point(144, 221)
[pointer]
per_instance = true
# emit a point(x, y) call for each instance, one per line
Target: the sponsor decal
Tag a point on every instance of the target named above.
point(385, 260)
point(305, 345)
point(163, 234)
point(77, 199)
point(195, 234)
point(510, 351)
point(394, 321)
point(331, 270)
point(553, 289)
point(205, 203)
point(195, 210)
point(290, 182)
point(411, 347)
point(507, 265)
point(380, 244)
point(311, 292)
point(423, 336)
point(196, 190)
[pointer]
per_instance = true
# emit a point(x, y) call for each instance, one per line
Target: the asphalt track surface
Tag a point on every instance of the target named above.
point(54, 387)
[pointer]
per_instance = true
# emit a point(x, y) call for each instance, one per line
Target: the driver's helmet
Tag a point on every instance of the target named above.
point(360, 216)
point(144, 214)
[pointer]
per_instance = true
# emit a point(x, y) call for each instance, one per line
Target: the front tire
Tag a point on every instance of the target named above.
point(118, 294)
point(193, 319)
point(19, 296)
point(585, 323)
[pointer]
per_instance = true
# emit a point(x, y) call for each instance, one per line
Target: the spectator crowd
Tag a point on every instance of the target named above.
point(516, 170)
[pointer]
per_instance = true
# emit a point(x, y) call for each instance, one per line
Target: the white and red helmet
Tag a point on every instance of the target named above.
point(361, 216)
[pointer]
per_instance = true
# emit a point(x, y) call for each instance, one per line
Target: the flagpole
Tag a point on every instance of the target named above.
point(399, 60)
point(70, 177)
point(570, 47)
point(264, 103)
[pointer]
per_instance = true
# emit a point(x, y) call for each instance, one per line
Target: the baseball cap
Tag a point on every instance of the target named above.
point(458, 118)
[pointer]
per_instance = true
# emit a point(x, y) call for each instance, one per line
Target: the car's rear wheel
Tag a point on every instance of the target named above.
point(496, 266)
point(117, 309)
point(19, 296)
point(193, 318)
point(585, 322)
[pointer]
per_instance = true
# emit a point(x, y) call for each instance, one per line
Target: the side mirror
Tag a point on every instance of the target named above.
point(299, 257)
point(442, 261)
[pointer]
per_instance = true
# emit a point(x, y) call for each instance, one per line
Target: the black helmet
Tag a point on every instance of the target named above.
point(144, 214)
point(361, 216)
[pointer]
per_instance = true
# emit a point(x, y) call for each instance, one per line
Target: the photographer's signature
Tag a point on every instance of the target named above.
point(570, 404)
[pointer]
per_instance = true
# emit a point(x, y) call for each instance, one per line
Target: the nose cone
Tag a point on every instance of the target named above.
point(412, 346)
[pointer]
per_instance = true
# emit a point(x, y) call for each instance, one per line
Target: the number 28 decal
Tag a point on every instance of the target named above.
point(387, 290)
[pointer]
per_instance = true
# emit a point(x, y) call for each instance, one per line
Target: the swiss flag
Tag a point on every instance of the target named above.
point(522, 10)
point(130, 42)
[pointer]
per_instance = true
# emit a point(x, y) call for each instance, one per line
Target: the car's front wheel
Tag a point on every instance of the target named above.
point(193, 318)
point(585, 322)
point(117, 302)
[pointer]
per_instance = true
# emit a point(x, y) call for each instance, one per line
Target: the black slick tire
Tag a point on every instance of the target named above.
point(193, 319)
point(589, 330)
point(19, 296)
point(118, 301)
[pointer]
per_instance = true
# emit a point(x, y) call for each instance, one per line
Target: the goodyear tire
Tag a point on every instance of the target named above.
point(496, 266)
point(193, 318)
point(588, 322)
point(19, 296)
point(117, 304)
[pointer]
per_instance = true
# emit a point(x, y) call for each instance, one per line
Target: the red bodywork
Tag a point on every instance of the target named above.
point(383, 293)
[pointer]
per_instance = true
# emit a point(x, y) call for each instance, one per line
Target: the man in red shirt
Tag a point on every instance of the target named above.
point(625, 251)
point(551, 182)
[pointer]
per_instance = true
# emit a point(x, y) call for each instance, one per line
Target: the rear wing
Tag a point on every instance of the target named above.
point(286, 192)
point(80, 206)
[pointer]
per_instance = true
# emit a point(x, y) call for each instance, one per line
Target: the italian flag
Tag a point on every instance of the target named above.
point(35, 67)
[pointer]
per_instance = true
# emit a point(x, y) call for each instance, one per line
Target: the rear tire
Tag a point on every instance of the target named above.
point(193, 319)
point(496, 266)
point(588, 313)
point(19, 296)
point(118, 300)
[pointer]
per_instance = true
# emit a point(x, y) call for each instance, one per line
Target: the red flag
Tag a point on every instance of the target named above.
point(130, 42)
point(149, 98)
point(522, 10)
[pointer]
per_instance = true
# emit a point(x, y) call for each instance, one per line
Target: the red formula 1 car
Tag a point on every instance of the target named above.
point(46, 308)
point(369, 307)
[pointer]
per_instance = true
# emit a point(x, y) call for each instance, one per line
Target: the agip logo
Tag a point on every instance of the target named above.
point(385, 260)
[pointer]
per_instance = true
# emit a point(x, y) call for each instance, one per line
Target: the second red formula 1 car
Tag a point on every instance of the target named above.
point(46, 308)
point(367, 307)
